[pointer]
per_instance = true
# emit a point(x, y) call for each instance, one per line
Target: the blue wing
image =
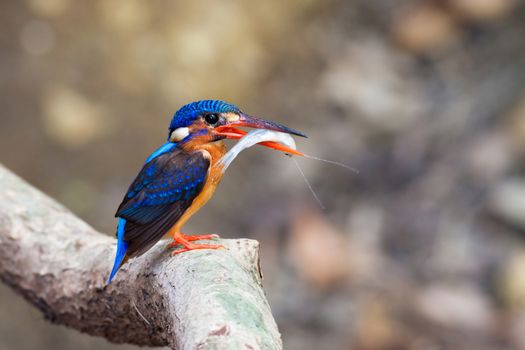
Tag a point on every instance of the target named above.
point(171, 178)
point(162, 191)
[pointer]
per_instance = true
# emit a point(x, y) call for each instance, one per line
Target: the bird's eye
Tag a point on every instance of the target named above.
point(211, 118)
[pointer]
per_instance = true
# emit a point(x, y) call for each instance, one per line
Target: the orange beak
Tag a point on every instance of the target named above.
point(229, 131)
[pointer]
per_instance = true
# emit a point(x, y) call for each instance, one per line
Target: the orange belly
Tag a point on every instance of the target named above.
point(214, 152)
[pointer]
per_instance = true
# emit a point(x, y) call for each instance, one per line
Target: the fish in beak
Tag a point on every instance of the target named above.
point(230, 131)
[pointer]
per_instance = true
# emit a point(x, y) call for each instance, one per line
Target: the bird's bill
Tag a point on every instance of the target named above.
point(258, 123)
point(230, 131)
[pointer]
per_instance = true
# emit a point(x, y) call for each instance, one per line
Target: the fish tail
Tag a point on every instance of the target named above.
point(122, 247)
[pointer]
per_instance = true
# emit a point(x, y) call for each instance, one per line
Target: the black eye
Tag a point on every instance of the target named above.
point(211, 118)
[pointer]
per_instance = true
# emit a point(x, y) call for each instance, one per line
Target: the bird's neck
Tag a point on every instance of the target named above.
point(216, 149)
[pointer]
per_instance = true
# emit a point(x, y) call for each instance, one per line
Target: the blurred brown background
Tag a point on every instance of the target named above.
point(424, 249)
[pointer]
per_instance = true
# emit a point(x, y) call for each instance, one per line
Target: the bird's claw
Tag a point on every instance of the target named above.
point(193, 246)
point(183, 239)
point(201, 237)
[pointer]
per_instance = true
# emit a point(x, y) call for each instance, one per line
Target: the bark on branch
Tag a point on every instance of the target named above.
point(208, 299)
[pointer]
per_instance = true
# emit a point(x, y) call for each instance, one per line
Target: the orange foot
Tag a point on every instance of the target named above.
point(181, 239)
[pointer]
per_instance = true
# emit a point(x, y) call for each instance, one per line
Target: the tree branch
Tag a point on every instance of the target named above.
point(205, 299)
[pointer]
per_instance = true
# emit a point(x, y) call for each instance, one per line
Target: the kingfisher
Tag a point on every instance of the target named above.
point(181, 176)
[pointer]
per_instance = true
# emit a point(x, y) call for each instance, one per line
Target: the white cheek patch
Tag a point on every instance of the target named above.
point(179, 134)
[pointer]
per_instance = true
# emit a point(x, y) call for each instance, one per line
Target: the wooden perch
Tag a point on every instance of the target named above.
point(207, 299)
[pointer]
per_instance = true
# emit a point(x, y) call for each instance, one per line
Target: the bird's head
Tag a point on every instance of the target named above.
point(213, 120)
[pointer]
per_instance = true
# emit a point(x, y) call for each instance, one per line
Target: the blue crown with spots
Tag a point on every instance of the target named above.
point(188, 113)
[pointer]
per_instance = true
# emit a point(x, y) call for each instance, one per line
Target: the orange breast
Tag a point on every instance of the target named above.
point(214, 151)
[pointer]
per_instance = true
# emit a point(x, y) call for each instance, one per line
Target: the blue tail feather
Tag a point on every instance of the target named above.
point(122, 247)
